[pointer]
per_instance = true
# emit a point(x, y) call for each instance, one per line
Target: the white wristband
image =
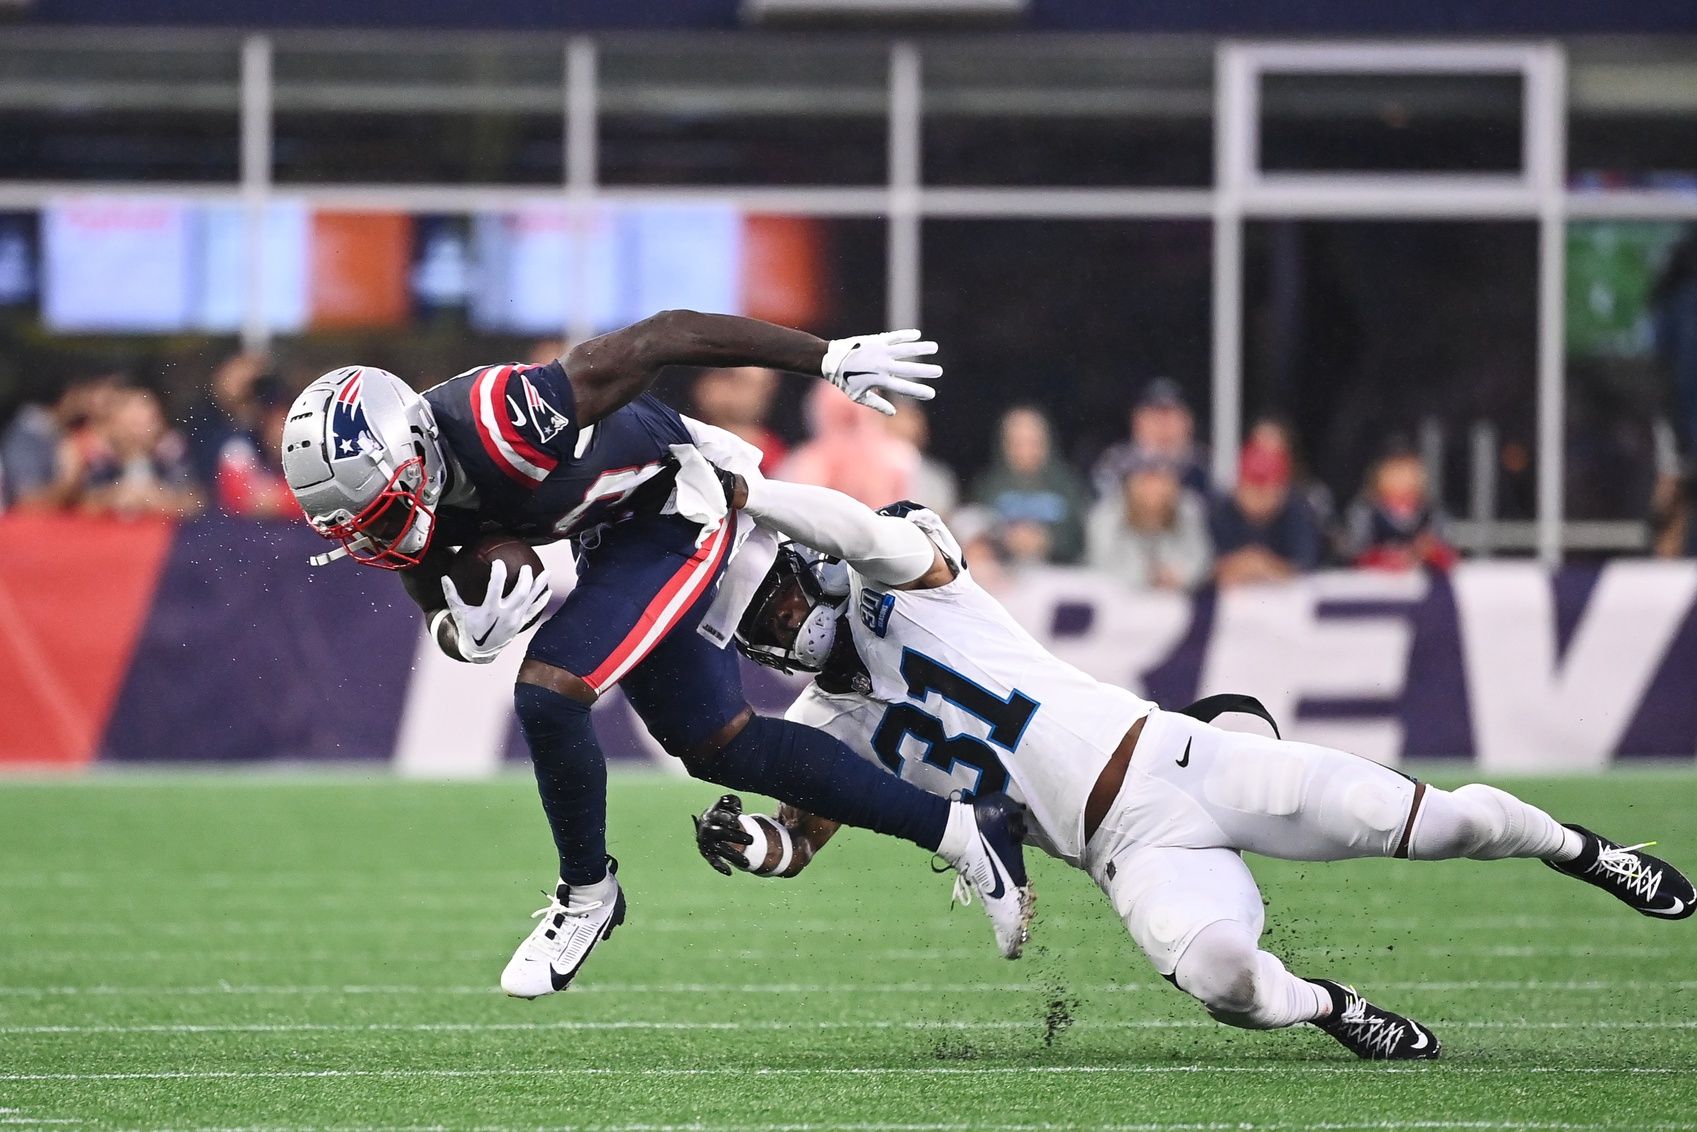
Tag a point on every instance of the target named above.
point(762, 828)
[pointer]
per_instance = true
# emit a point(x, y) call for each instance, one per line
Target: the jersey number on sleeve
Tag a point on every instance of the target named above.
point(1007, 719)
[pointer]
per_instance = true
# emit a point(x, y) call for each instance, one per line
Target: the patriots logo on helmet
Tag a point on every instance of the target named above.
point(350, 435)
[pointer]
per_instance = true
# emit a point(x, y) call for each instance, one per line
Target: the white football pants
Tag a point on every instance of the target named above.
point(1167, 853)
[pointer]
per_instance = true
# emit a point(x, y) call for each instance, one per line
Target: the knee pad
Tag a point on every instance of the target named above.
point(1377, 806)
point(1220, 970)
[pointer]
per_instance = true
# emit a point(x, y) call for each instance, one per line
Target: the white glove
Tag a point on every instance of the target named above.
point(873, 364)
point(484, 630)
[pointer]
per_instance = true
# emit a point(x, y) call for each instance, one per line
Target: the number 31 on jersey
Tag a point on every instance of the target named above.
point(967, 760)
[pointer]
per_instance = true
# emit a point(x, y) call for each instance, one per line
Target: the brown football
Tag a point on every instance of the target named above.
point(472, 562)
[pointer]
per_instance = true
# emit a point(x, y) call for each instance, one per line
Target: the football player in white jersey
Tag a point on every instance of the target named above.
point(922, 671)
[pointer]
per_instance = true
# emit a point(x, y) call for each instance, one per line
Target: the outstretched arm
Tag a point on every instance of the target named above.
point(888, 550)
point(727, 838)
point(612, 370)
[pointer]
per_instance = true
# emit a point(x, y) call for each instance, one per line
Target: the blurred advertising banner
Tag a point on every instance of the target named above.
point(214, 642)
point(117, 264)
point(162, 264)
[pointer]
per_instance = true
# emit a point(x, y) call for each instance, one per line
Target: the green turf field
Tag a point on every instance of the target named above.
point(267, 953)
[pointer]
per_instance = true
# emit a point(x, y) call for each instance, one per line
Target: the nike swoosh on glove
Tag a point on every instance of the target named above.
point(869, 366)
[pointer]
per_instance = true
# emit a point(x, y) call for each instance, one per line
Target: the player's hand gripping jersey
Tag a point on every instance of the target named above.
point(532, 470)
point(962, 698)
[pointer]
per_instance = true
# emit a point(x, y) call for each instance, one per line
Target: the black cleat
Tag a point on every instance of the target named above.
point(1647, 884)
point(1373, 1033)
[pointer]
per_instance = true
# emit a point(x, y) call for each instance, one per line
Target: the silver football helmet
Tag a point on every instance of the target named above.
point(361, 456)
point(791, 622)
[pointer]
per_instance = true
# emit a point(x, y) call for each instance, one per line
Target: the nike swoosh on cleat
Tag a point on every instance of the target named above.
point(1677, 909)
point(1186, 760)
point(995, 872)
point(1423, 1041)
point(562, 979)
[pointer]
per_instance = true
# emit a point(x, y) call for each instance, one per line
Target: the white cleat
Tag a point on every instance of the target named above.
point(557, 948)
point(992, 866)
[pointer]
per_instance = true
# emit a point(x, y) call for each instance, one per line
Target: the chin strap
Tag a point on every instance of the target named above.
point(327, 557)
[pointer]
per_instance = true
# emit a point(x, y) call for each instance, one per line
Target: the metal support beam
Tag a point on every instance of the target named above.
point(902, 297)
point(582, 174)
point(1546, 118)
point(256, 185)
point(1234, 121)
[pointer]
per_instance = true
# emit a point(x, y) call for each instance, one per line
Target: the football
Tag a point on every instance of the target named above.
point(472, 562)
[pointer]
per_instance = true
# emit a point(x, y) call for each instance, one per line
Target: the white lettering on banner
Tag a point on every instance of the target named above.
point(1533, 710)
point(1125, 634)
point(1269, 641)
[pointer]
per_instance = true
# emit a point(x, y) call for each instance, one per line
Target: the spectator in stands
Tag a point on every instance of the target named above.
point(1393, 526)
point(230, 410)
point(934, 482)
point(250, 481)
point(1673, 307)
point(1673, 531)
point(1276, 432)
point(852, 451)
point(1153, 532)
point(739, 400)
point(143, 467)
point(1038, 501)
point(1262, 531)
point(47, 449)
point(544, 350)
point(1161, 425)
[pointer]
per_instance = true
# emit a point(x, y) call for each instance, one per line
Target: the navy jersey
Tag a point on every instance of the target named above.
point(513, 429)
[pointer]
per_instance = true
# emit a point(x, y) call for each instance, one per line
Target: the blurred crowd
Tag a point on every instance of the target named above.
point(105, 445)
point(1146, 512)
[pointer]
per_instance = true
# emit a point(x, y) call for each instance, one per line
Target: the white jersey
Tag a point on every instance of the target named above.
point(964, 699)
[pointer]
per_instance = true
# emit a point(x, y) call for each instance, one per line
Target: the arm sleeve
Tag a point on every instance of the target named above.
point(886, 549)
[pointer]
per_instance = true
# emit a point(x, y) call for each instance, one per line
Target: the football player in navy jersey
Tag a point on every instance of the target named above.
point(577, 449)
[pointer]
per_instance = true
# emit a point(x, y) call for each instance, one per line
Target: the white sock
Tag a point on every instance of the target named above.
point(958, 834)
point(1572, 844)
point(1485, 824)
point(583, 895)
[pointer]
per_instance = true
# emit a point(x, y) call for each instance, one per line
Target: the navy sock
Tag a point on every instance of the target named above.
point(571, 776)
point(814, 771)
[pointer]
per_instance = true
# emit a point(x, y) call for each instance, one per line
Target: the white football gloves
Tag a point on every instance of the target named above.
point(874, 364)
point(484, 630)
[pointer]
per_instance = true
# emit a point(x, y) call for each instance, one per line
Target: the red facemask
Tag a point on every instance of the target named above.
point(371, 536)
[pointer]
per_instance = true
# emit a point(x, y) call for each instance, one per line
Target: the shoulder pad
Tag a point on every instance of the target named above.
point(932, 524)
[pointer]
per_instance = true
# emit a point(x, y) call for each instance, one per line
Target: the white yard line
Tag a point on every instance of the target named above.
point(776, 1025)
point(838, 1071)
point(1530, 985)
point(892, 954)
point(1148, 1126)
